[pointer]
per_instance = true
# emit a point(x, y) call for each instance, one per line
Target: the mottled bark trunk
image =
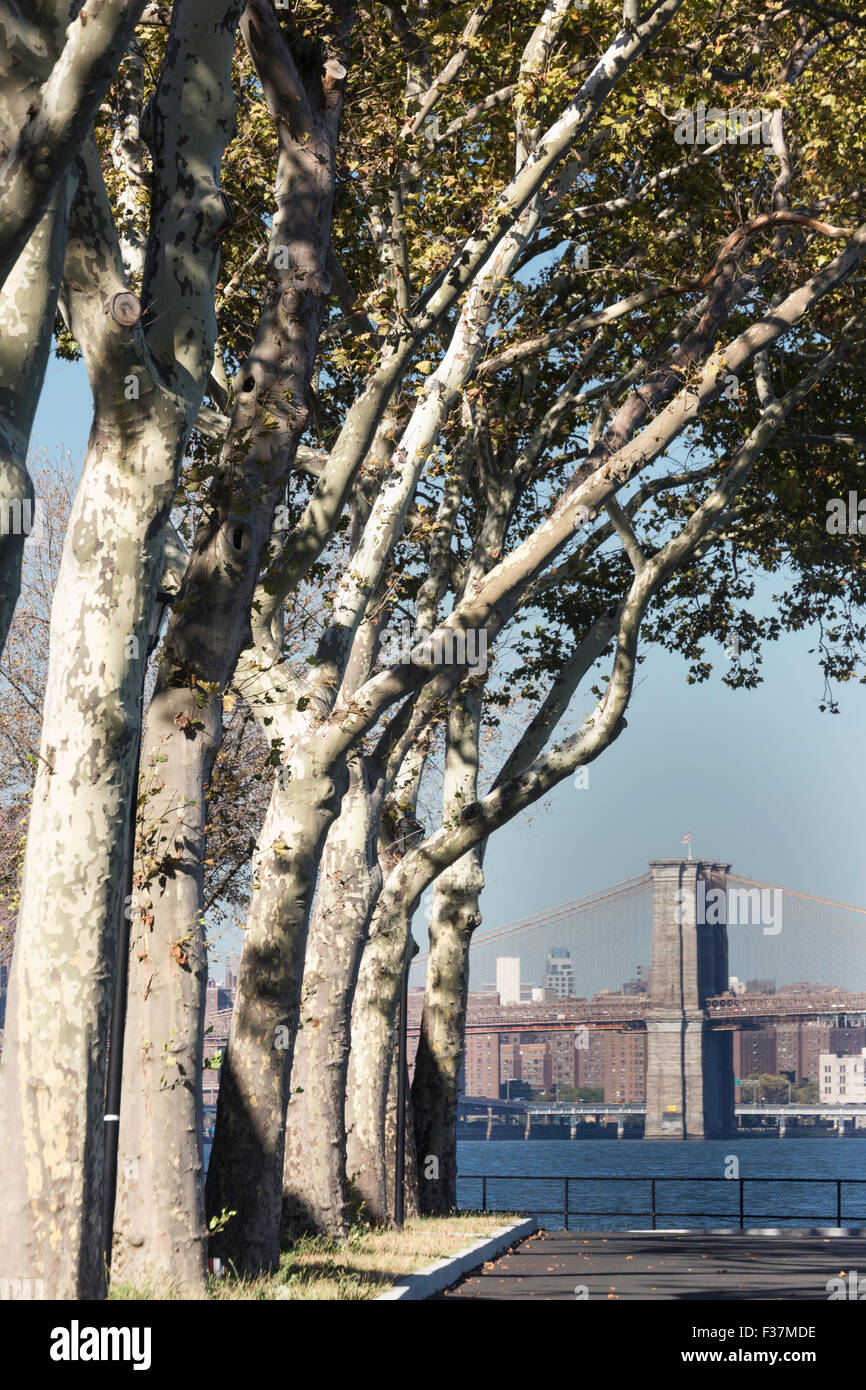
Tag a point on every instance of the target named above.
point(411, 1203)
point(159, 1216)
point(374, 1014)
point(245, 1175)
point(443, 1026)
point(52, 1082)
point(315, 1196)
point(28, 298)
point(55, 69)
point(28, 305)
point(455, 917)
point(112, 562)
point(207, 634)
point(51, 1088)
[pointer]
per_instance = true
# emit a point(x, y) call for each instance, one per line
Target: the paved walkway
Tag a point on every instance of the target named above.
point(656, 1265)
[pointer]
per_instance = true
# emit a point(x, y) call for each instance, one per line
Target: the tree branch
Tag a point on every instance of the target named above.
point(59, 119)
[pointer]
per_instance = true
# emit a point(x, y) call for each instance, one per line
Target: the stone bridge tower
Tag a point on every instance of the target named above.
point(690, 1078)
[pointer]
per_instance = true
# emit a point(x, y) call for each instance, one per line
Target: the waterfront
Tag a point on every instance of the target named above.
point(530, 1176)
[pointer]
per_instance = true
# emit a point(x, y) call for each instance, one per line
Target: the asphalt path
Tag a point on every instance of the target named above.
point(697, 1265)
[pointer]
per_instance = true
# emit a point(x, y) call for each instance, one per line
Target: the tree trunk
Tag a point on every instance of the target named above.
point(443, 1027)
point(373, 1018)
point(209, 630)
point(455, 917)
point(55, 72)
point(159, 1215)
point(314, 1177)
point(52, 1083)
point(411, 1204)
point(245, 1175)
point(28, 305)
point(51, 1094)
point(28, 297)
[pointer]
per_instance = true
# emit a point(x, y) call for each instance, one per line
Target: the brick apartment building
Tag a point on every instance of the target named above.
point(483, 1065)
point(755, 1052)
point(591, 1060)
point(789, 1050)
point(614, 1061)
point(625, 1068)
point(217, 1018)
point(820, 1037)
point(536, 1064)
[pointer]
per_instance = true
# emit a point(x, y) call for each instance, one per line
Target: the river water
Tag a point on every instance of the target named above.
point(697, 1183)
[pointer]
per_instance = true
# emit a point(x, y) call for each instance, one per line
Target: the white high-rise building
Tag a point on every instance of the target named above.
point(559, 973)
point(508, 979)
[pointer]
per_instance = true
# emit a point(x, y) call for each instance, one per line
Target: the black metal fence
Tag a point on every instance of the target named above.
point(623, 1203)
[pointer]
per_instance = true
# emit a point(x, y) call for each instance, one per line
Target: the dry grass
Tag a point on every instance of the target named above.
point(362, 1267)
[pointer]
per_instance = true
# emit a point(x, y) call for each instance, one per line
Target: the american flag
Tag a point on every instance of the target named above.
point(687, 838)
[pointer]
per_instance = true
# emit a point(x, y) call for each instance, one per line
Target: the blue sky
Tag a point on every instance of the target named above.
point(760, 778)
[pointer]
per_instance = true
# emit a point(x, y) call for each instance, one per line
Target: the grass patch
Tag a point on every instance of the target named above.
point(362, 1267)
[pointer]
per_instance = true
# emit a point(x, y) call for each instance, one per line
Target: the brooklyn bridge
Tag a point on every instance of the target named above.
point(694, 910)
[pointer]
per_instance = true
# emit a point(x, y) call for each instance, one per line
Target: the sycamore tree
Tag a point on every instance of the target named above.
point(242, 773)
point(828, 587)
point(142, 315)
point(623, 437)
point(417, 340)
point(255, 549)
point(57, 60)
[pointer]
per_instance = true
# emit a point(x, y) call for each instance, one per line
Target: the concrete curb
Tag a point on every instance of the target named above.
point(436, 1277)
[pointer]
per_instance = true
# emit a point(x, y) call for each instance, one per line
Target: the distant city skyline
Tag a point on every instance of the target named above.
point(609, 941)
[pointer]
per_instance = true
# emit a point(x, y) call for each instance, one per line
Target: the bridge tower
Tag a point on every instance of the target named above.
point(690, 1077)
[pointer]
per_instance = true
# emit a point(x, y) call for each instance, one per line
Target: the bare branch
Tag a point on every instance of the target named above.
point(452, 67)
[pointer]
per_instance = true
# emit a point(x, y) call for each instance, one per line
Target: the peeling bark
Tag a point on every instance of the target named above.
point(52, 1079)
point(245, 1175)
point(66, 69)
point(28, 298)
point(205, 639)
point(443, 1021)
point(28, 303)
point(315, 1197)
point(370, 1060)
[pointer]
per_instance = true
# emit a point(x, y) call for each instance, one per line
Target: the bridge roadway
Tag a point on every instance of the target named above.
point(725, 1011)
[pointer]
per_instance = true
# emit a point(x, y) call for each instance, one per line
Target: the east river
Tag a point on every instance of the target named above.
point(530, 1176)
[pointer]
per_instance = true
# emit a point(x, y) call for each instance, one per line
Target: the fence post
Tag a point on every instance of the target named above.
point(566, 1203)
point(742, 1180)
point(838, 1201)
point(484, 1194)
point(653, 1185)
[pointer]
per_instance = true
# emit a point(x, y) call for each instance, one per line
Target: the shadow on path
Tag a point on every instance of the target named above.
point(665, 1265)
